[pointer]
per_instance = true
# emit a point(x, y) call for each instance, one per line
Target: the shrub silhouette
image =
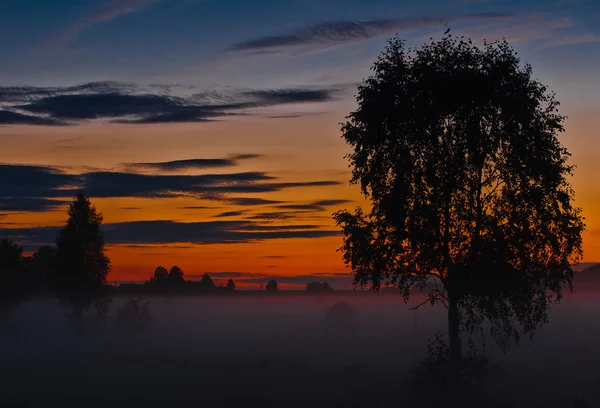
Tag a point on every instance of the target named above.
point(341, 316)
point(318, 287)
point(272, 286)
point(134, 316)
point(230, 285)
point(175, 276)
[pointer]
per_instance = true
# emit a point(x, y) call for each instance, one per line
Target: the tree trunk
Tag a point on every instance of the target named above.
point(455, 349)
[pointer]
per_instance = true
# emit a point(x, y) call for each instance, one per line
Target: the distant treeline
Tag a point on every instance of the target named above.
point(173, 280)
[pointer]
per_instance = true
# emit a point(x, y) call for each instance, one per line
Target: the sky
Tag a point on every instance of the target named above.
point(207, 132)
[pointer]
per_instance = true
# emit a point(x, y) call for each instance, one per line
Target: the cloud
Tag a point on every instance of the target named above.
point(167, 232)
point(178, 165)
point(229, 275)
point(14, 118)
point(189, 164)
point(131, 104)
point(230, 214)
point(326, 203)
point(335, 280)
point(250, 201)
point(25, 181)
point(295, 115)
point(31, 204)
point(315, 206)
point(573, 39)
point(21, 181)
point(349, 31)
point(107, 12)
point(267, 216)
point(245, 156)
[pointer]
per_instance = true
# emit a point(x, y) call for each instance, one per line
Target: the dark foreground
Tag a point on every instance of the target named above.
point(279, 352)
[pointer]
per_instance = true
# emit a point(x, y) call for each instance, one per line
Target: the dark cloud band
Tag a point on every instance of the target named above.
point(128, 103)
point(349, 31)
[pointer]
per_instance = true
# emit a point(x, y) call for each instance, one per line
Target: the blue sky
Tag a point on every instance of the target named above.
point(216, 122)
point(62, 42)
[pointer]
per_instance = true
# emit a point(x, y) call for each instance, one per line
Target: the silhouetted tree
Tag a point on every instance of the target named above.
point(43, 265)
point(457, 148)
point(12, 283)
point(318, 287)
point(81, 267)
point(230, 285)
point(271, 286)
point(206, 283)
point(175, 275)
point(160, 276)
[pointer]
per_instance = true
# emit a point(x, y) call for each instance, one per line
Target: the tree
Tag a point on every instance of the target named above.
point(176, 275)
point(318, 287)
point(43, 263)
point(206, 283)
point(160, 275)
point(230, 285)
point(271, 286)
point(12, 284)
point(82, 266)
point(456, 147)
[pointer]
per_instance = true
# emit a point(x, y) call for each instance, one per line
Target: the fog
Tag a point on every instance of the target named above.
point(278, 350)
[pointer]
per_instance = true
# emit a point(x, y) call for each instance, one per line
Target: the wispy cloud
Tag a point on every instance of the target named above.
point(128, 103)
point(573, 39)
point(50, 182)
point(314, 206)
point(188, 164)
point(172, 232)
point(106, 12)
point(350, 31)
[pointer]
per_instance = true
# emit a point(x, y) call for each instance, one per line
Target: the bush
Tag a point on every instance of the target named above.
point(341, 316)
point(134, 315)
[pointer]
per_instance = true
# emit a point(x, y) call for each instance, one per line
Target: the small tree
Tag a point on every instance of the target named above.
point(457, 149)
point(175, 275)
point(272, 286)
point(160, 276)
point(206, 283)
point(82, 266)
point(230, 285)
point(318, 287)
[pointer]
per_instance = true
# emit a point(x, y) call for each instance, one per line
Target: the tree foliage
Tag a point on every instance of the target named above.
point(206, 283)
point(12, 278)
point(230, 286)
point(175, 275)
point(456, 146)
point(272, 286)
point(160, 275)
point(81, 265)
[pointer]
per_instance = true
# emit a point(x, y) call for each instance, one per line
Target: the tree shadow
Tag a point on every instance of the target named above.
point(134, 316)
point(433, 382)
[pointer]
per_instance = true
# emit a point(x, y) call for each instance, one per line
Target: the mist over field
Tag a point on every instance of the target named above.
point(278, 350)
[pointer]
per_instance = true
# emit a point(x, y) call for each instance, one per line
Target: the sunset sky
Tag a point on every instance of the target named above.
point(207, 131)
